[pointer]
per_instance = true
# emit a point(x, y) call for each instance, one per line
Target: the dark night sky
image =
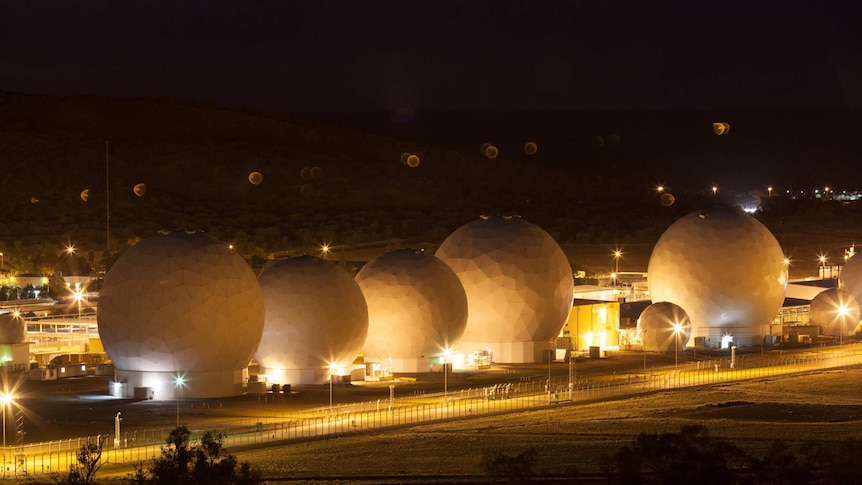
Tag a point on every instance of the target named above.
point(406, 56)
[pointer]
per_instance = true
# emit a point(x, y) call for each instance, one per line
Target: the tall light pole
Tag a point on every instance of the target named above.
point(178, 384)
point(643, 344)
point(331, 368)
point(446, 354)
point(6, 398)
point(676, 329)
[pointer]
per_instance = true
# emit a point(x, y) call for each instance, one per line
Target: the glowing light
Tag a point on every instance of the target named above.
point(413, 161)
point(714, 189)
point(70, 249)
point(85, 195)
point(659, 188)
point(720, 128)
point(491, 152)
point(256, 178)
point(530, 148)
point(140, 190)
point(667, 200)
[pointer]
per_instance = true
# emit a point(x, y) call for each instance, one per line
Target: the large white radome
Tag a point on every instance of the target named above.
point(181, 304)
point(850, 279)
point(725, 269)
point(417, 308)
point(519, 286)
point(315, 316)
point(836, 312)
point(657, 327)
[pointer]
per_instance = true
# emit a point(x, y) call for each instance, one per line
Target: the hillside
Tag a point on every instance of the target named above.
point(339, 181)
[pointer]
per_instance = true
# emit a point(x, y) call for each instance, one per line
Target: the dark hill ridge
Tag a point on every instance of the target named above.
point(195, 161)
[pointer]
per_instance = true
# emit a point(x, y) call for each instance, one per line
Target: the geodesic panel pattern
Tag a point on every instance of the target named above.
point(180, 302)
point(416, 305)
point(11, 329)
point(315, 315)
point(518, 281)
point(724, 268)
point(836, 312)
point(664, 327)
point(850, 278)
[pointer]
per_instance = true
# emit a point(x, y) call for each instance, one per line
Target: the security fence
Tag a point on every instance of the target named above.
point(39, 460)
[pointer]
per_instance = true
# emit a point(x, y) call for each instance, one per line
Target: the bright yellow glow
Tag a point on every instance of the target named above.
point(842, 310)
point(786, 261)
point(659, 188)
point(714, 189)
point(70, 249)
point(6, 398)
point(677, 328)
point(179, 381)
point(822, 259)
point(324, 249)
point(618, 253)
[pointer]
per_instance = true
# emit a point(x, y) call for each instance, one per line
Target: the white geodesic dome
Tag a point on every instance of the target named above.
point(316, 316)
point(12, 329)
point(417, 307)
point(725, 269)
point(663, 326)
point(850, 278)
point(181, 304)
point(836, 312)
point(519, 285)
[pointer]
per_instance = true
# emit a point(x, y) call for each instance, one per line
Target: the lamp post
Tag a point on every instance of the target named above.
point(178, 384)
point(446, 354)
point(676, 329)
point(643, 344)
point(331, 368)
point(6, 398)
point(325, 250)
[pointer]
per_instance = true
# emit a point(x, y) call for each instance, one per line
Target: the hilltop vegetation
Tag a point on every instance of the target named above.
point(321, 183)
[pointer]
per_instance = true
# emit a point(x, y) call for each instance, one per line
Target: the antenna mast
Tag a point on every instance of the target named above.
point(107, 207)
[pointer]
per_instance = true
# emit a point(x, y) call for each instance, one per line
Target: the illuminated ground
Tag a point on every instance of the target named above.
point(818, 406)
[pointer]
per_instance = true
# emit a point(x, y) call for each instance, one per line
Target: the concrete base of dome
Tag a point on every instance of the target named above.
point(509, 352)
point(419, 364)
point(195, 385)
point(296, 376)
point(724, 337)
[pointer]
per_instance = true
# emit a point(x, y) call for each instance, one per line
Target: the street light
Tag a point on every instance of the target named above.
point(769, 189)
point(447, 353)
point(178, 384)
point(325, 250)
point(5, 398)
point(78, 295)
point(676, 329)
point(714, 189)
point(331, 368)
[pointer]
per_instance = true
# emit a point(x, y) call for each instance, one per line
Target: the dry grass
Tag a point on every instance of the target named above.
point(814, 407)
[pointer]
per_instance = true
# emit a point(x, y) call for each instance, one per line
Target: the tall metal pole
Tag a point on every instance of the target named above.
point(677, 349)
point(107, 207)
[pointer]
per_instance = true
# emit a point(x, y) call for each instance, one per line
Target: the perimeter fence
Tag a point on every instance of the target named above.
point(42, 460)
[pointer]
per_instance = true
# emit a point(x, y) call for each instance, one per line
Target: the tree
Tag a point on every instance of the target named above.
point(513, 467)
point(173, 466)
point(89, 458)
point(206, 463)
